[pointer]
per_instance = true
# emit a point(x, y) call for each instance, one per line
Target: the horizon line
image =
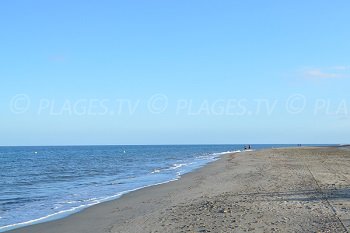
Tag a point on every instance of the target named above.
point(190, 144)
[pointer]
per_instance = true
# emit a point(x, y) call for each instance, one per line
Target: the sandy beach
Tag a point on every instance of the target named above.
point(276, 190)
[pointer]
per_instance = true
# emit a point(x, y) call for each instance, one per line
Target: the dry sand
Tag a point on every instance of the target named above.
point(277, 190)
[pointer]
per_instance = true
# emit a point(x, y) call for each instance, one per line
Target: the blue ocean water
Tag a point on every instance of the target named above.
point(45, 183)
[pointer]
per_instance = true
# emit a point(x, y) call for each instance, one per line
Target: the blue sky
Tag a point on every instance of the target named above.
point(185, 72)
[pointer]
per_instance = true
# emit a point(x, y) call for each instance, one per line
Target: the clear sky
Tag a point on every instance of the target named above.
point(174, 72)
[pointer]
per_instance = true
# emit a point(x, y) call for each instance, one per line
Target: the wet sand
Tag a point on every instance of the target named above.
point(277, 190)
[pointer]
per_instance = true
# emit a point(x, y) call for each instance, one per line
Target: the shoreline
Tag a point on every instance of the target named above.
point(77, 210)
point(270, 190)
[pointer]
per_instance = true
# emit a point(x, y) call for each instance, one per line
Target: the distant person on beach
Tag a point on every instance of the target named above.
point(247, 147)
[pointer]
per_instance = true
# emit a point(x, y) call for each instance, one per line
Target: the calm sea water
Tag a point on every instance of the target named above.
point(45, 183)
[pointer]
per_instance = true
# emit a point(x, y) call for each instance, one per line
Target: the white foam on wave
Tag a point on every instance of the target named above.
point(227, 152)
point(172, 167)
point(178, 165)
point(71, 202)
point(155, 171)
point(208, 158)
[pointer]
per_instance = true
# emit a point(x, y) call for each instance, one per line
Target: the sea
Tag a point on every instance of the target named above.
point(39, 184)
